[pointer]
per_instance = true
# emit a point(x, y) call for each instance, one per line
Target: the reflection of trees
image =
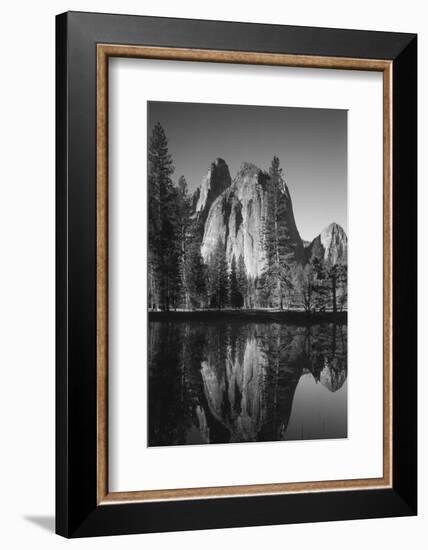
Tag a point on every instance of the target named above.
point(233, 382)
point(282, 348)
point(176, 351)
point(327, 345)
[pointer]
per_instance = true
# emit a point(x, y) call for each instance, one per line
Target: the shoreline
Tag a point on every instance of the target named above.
point(260, 315)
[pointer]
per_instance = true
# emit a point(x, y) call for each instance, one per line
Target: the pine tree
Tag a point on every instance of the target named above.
point(321, 287)
point(276, 280)
point(184, 208)
point(242, 280)
point(342, 298)
point(236, 298)
point(195, 276)
point(222, 275)
point(164, 231)
point(336, 279)
point(305, 287)
point(218, 277)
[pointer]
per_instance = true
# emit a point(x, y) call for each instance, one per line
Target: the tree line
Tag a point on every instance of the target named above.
point(178, 277)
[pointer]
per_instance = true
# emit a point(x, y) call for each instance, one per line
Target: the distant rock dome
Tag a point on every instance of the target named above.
point(331, 245)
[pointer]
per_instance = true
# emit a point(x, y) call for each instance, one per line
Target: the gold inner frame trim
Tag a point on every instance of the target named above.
point(104, 51)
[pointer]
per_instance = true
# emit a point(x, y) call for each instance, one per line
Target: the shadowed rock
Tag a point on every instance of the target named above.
point(213, 184)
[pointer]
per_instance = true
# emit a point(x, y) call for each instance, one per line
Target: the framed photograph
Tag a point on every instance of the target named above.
point(236, 274)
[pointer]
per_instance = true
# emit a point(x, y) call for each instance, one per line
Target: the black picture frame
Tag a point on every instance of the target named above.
point(77, 511)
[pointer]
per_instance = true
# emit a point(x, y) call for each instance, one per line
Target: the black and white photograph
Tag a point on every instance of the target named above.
point(247, 273)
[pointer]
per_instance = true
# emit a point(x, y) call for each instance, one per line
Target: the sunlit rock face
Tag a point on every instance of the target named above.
point(331, 245)
point(236, 216)
point(213, 184)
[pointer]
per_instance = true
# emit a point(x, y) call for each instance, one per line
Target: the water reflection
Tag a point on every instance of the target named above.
point(217, 382)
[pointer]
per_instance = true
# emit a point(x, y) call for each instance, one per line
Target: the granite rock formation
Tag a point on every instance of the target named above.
point(236, 216)
point(213, 184)
point(331, 245)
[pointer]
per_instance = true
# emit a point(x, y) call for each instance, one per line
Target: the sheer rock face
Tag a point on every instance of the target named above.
point(331, 245)
point(213, 184)
point(236, 216)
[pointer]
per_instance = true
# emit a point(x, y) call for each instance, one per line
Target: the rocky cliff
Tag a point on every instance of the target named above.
point(213, 184)
point(331, 245)
point(236, 216)
point(235, 211)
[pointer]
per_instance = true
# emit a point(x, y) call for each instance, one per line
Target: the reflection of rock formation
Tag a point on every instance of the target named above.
point(251, 391)
point(220, 383)
point(233, 390)
point(332, 378)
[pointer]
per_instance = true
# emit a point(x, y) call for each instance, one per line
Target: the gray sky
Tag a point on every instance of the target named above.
point(310, 143)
